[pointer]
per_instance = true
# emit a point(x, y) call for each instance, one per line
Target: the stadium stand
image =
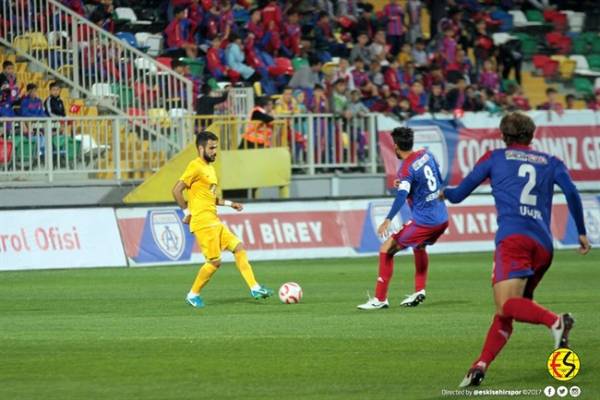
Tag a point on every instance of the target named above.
point(329, 67)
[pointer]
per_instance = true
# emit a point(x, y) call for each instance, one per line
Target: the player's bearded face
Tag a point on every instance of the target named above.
point(210, 151)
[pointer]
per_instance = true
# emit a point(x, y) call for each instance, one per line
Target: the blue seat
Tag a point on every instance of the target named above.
point(505, 19)
point(128, 38)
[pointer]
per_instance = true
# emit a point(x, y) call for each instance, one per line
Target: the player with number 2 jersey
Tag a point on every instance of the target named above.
point(522, 181)
point(419, 181)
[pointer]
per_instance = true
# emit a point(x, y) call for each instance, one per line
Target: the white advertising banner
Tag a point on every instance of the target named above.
point(60, 238)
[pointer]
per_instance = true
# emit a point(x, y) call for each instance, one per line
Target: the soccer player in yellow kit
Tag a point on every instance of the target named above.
point(200, 212)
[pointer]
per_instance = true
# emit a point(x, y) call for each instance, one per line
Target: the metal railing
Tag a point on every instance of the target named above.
point(317, 142)
point(131, 148)
point(84, 148)
point(93, 61)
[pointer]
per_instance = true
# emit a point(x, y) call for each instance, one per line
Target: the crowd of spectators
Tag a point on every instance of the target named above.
point(16, 101)
point(385, 59)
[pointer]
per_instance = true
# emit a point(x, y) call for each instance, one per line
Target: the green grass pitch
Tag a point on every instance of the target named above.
point(128, 334)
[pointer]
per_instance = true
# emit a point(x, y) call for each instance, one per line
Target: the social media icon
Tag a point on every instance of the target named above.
point(575, 391)
point(549, 391)
point(562, 391)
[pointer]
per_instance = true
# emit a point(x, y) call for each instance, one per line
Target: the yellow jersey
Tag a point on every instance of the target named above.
point(200, 178)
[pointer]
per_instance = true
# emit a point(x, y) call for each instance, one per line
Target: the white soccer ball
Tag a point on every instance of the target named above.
point(290, 293)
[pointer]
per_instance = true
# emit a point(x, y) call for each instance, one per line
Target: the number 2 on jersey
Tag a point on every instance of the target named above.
point(528, 170)
point(431, 181)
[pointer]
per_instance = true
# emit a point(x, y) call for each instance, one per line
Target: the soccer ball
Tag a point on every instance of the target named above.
point(290, 293)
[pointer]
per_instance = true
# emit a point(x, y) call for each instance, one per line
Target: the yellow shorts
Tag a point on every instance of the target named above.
point(214, 239)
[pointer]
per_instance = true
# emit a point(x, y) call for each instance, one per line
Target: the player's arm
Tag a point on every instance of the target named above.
point(564, 181)
point(403, 191)
point(480, 173)
point(177, 192)
point(228, 203)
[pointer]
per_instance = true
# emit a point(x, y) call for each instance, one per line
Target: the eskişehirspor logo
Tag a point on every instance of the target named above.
point(167, 232)
point(563, 364)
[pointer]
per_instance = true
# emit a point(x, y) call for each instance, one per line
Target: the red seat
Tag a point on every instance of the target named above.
point(539, 60)
point(550, 69)
point(553, 38)
point(135, 112)
point(564, 45)
point(6, 147)
point(167, 61)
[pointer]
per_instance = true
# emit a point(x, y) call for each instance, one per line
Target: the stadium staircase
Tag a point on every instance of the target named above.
point(104, 75)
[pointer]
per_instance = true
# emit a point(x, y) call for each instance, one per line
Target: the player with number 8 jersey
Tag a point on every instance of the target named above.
point(522, 181)
point(419, 181)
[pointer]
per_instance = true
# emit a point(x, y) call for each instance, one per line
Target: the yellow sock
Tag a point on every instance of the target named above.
point(241, 261)
point(204, 275)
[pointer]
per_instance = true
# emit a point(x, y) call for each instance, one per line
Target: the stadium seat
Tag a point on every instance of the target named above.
point(567, 69)
point(576, 20)
point(154, 43)
point(128, 38)
point(124, 93)
point(22, 43)
point(66, 70)
point(583, 86)
point(501, 38)
point(580, 45)
point(6, 147)
point(299, 62)
point(57, 38)
point(550, 69)
point(25, 150)
point(159, 117)
point(166, 61)
point(196, 65)
point(38, 41)
point(127, 14)
point(135, 112)
point(538, 60)
point(594, 61)
point(103, 91)
point(66, 147)
point(505, 19)
point(520, 21)
point(146, 65)
point(534, 16)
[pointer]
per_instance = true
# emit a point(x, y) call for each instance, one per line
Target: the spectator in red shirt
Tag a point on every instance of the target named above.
point(180, 33)
point(271, 16)
point(417, 98)
point(291, 34)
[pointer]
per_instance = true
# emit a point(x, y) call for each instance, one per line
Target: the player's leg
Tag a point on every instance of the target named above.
point(518, 257)
point(421, 267)
point(420, 237)
point(208, 240)
point(232, 243)
point(386, 269)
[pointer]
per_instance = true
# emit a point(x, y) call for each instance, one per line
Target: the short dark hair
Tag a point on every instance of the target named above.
point(203, 137)
point(551, 90)
point(403, 138)
point(7, 64)
point(517, 128)
point(54, 84)
point(31, 86)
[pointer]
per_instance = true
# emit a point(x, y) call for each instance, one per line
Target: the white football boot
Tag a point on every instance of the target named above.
point(561, 330)
point(373, 304)
point(413, 300)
